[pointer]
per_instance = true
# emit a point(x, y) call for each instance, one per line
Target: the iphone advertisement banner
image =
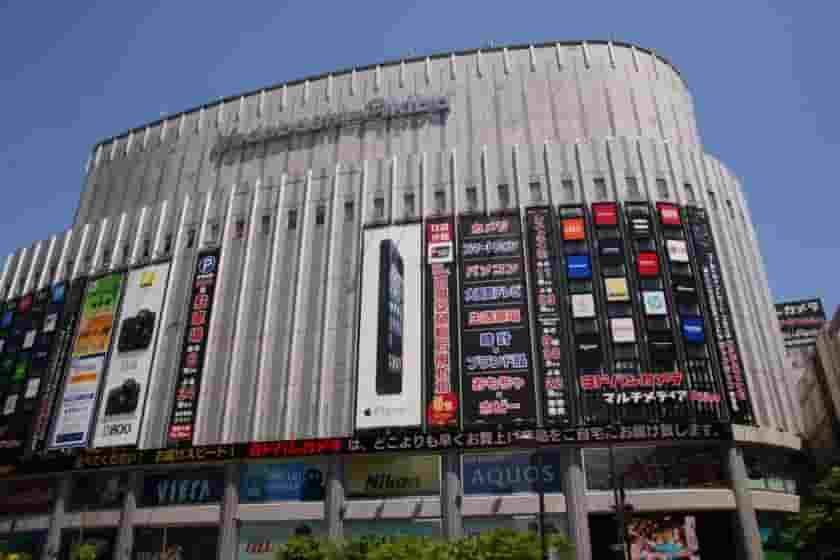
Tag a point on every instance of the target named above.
point(121, 409)
point(389, 370)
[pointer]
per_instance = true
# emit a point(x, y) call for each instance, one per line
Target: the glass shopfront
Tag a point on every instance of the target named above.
point(28, 543)
point(771, 469)
point(175, 543)
point(102, 541)
point(261, 541)
point(393, 528)
point(554, 523)
point(666, 467)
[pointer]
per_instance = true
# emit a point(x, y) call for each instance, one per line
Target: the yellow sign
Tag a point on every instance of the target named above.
point(384, 476)
point(616, 289)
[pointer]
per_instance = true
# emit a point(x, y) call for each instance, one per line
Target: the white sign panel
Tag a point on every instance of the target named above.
point(583, 306)
point(677, 250)
point(389, 390)
point(76, 408)
point(622, 330)
point(127, 376)
point(655, 303)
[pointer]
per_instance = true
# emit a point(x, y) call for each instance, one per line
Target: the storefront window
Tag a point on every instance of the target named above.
point(262, 541)
point(771, 469)
point(511, 473)
point(182, 543)
point(554, 523)
point(656, 467)
point(777, 531)
point(392, 476)
point(29, 542)
point(101, 541)
point(98, 491)
point(282, 481)
point(393, 528)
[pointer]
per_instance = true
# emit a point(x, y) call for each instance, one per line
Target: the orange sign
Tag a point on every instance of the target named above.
point(573, 229)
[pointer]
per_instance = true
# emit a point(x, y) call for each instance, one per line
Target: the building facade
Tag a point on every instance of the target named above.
point(358, 302)
point(819, 392)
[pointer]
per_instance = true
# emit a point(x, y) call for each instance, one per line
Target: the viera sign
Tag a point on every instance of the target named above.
point(376, 109)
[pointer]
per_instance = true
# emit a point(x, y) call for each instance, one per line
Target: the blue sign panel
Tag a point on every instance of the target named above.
point(282, 482)
point(577, 267)
point(692, 328)
point(511, 474)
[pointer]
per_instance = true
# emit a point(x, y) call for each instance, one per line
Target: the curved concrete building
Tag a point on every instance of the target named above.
point(281, 186)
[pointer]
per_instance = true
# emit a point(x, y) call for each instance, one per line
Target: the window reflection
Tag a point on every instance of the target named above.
point(656, 467)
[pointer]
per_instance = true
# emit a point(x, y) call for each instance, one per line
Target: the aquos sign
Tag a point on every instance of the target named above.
point(379, 108)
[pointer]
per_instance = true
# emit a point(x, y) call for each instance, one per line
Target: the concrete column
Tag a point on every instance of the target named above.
point(747, 522)
point(125, 532)
point(334, 498)
point(228, 530)
point(57, 518)
point(451, 496)
point(577, 510)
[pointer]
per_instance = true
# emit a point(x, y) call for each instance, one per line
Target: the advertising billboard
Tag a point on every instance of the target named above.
point(127, 376)
point(389, 388)
point(98, 311)
point(191, 364)
point(801, 322)
point(498, 378)
point(443, 381)
point(75, 412)
point(282, 481)
point(511, 473)
point(392, 476)
point(82, 383)
point(181, 488)
point(663, 536)
point(65, 308)
point(731, 364)
point(548, 329)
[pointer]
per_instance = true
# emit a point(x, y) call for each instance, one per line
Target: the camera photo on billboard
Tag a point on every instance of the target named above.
point(389, 368)
point(127, 372)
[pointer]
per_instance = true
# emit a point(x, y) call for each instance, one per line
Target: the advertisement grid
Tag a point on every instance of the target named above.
point(127, 375)
point(53, 378)
point(194, 346)
point(83, 382)
point(496, 356)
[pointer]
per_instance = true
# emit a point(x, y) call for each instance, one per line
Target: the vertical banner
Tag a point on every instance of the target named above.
point(61, 319)
point(721, 317)
point(127, 376)
point(188, 384)
point(83, 381)
point(498, 381)
point(443, 387)
point(542, 251)
point(389, 381)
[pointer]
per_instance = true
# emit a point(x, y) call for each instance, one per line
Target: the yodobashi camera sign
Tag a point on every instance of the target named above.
point(127, 376)
point(389, 377)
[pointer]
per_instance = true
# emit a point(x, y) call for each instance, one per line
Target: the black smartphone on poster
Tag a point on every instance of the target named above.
point(389, 367)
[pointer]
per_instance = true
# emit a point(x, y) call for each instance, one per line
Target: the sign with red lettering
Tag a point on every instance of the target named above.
point(605, 213)
point(443, 381)
point(648, 264)
point(188, 383)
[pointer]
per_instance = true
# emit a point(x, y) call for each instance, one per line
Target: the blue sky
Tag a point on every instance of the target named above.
point(763, 79)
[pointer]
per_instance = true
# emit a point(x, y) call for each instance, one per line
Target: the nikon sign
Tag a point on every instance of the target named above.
point(376, 109)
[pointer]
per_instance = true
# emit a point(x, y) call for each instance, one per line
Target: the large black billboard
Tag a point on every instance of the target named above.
point(497, 372)
point(191, 364)
point(729, 354)
point(548, 326)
